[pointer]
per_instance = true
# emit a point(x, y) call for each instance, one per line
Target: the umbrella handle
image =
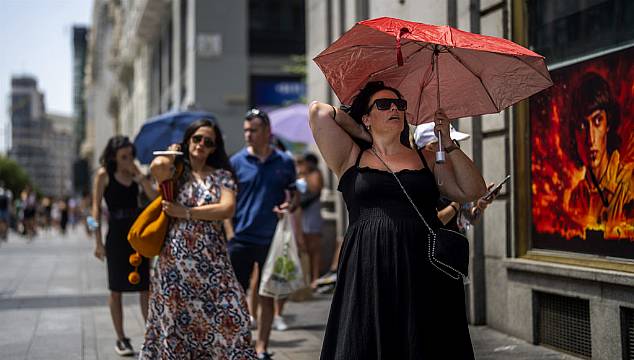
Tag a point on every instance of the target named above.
point(440, 154)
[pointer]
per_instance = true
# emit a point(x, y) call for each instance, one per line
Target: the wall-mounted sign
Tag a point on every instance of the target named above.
point(276, 91)
point(208, 46)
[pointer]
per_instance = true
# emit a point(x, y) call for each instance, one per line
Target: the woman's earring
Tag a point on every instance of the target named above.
point(367, 127)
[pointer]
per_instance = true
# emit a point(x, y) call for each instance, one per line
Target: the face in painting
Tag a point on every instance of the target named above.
point(591, 136)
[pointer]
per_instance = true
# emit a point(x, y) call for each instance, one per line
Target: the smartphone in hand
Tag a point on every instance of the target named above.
point(495, 190)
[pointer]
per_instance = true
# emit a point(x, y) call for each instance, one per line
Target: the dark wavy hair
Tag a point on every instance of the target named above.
point(593, 93)
point(218, 159)
point(361, 103)
point(108, 158)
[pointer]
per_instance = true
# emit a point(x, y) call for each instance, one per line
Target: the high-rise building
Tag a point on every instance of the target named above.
point(42, 144)
point(81, 175)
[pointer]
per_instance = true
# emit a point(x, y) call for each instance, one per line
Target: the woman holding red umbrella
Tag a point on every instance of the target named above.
point(390, 302)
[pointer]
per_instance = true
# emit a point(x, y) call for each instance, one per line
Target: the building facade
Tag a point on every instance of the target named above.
point(161, 56)
point(99, 85)
point(551, 260)
point(42, 144)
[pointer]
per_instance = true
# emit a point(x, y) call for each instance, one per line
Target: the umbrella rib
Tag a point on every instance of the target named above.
point(347, 48)
point(378, 72)
point(478, 77)
point(532, 67)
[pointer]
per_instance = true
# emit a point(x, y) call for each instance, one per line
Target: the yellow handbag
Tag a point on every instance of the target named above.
point(148, 231)
point(147, 234)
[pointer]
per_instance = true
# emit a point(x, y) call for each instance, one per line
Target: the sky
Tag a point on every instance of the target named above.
point(36, 39)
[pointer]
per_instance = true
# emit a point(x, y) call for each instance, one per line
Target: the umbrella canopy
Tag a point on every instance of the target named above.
point(291, 123)
point(166, 129)
point(433, 66)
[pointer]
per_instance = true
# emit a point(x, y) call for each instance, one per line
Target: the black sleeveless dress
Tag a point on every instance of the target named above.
point(122, 211)
point(389, 301)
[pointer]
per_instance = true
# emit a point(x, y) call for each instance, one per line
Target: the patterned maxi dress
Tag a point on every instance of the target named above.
point(197, 307)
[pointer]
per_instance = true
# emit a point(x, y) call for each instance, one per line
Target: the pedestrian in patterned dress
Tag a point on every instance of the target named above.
point(197, 307)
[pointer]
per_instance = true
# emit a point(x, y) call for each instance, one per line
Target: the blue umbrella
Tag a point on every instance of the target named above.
point(166, 129)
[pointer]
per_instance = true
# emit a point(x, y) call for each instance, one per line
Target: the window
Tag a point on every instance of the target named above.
point(276, 27)
point(565, 29)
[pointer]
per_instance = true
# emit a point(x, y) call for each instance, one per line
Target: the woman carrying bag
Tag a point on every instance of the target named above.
point(197, 307)
point(391, 301)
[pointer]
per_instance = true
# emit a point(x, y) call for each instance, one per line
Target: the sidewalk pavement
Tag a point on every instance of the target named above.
point(53, 305)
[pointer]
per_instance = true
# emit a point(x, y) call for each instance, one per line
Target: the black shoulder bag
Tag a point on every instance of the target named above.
point(448, 250)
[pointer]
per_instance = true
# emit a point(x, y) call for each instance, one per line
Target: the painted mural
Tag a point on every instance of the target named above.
point(582, 158)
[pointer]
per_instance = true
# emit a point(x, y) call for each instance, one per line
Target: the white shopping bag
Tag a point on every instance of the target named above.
point(282, 271)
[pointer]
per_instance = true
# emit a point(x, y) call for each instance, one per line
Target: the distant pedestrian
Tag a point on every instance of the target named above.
point(6, 198)
point(29, 212)
point(310, 202)
point(85, 208)
point(197, 308)
point(63, 215)
point(264, 175)
point(117, 181)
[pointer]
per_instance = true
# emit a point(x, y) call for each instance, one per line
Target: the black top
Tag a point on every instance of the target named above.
point(120, 197)
point(359, 185)
point(389, 301)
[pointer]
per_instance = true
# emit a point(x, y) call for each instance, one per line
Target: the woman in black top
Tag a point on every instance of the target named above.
point(389, 301)
point(117, 181)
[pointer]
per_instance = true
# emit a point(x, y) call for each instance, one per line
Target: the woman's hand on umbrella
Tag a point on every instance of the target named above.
point(442, 126)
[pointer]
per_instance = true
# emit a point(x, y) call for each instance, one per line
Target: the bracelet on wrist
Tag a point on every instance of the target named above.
point(334, 112)
point(451, 148)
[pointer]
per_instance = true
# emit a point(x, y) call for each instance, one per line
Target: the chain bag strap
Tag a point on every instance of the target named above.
point(447, 250)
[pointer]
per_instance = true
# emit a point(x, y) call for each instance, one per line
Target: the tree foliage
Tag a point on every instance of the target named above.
point(13, 176)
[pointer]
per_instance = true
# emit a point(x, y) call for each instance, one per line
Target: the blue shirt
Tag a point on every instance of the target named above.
point(261, 187)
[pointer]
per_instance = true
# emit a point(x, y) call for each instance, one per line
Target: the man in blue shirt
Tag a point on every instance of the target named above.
point(264, 176)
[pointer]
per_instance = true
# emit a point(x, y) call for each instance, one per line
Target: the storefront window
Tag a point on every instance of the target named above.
point(566, 29)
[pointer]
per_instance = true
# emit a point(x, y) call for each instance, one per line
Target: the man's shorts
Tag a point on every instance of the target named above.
point(243, 256)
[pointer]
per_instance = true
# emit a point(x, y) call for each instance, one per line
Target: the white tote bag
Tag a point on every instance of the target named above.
point(282, 271)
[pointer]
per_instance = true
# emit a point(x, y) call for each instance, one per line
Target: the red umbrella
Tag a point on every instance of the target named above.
point(478, 74)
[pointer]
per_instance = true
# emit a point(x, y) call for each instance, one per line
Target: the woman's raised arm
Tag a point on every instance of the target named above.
point(333, 130)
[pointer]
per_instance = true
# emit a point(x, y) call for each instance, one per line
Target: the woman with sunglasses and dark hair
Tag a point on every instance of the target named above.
point(389, 301)
point(117, 182)
point(197, 307)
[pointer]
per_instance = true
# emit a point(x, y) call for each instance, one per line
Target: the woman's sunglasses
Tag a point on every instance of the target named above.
point(386, 104)
point(208, 142)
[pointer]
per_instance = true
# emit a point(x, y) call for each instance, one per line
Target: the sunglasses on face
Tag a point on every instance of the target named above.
point(208, 142)
point(386, 104)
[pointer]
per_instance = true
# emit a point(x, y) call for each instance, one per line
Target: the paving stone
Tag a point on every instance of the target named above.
point(53, 306)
